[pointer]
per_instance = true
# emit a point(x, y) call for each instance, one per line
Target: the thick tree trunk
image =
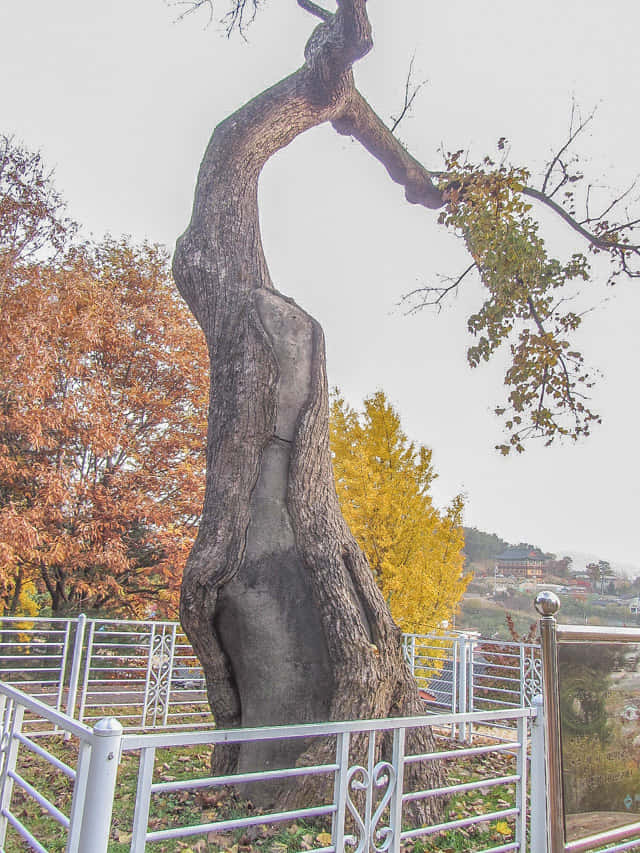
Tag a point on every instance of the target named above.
point(277, 598)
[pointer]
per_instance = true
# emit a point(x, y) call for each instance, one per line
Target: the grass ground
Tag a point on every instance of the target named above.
point(185, 807)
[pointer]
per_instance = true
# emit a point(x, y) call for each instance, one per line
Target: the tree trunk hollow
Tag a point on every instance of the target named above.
point(277, 598)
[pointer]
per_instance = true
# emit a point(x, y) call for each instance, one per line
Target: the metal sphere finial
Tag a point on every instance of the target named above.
point(547, 603)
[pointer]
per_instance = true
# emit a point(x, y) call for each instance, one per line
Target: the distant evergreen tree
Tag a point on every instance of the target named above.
point(482, 546)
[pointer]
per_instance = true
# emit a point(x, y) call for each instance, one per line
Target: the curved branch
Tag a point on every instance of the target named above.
point(598, 242)
point(359, 120)
point(314, 9)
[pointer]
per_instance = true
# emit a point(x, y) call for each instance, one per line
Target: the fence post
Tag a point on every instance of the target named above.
point(63, 668)
point(11, 725)
point(87, 670)
point(462, 646)
point(143, 799)
point(78, 644)
point(395, 806)
point(521, 786)
point(539, 842)
point(470, 699)
point(101, 783)
point(340, 791)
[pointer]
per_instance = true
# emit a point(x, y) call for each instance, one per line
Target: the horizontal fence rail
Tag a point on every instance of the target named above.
point(368, 799)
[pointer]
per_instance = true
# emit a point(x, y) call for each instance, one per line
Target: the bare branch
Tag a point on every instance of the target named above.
point(440, 292)
point(239, 16)
point(314, 9)
point(563, 181)
point(572, 136)
point(410, 93)
point(594, 239)
point(191, 7)
point(630, 224)
point(609, 208)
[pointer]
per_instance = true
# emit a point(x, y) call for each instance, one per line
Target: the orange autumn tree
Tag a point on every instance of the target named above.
point(103, 400)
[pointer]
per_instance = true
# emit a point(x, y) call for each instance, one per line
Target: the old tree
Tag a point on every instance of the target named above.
point(277, 598)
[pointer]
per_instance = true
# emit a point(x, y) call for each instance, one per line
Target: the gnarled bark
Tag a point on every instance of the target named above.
point(277, 598)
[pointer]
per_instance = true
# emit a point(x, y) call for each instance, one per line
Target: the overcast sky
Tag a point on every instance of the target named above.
point(121, 101)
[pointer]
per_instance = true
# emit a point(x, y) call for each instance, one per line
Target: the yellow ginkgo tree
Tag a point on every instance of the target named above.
point(383, 482)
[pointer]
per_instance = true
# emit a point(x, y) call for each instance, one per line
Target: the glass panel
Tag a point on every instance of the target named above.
point(599, 694)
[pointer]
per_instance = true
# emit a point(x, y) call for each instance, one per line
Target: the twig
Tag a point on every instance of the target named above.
point(441, 291)
point(409, 95)
point(572, 136)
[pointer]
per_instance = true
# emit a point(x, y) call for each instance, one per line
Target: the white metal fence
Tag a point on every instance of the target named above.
point(146, 673)
point(465, 672)
point(368, 807)
point(91, 781)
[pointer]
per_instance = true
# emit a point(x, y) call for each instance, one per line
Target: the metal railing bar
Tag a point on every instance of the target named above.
point(42, 710)
point(600, 838)
point(595, 633)
point(177, 726)
point(29, 619)
point(222, 825)
point(44, 753)
point(485, 674)
point(23, 832)
point(179, 695)
point(39, 656)
point(627, 845)
point(498, 684)
point(464, 753)
point(501, 703)
point(186, 713)
point(459, 789)
point(457, 824)
point(257, 776)
point(105, 713)
point(320, 729)
point(492, 679)
point(129, 622)
point(503, 848)
point(55, 813)
point(497, 652)
point(26, 681)
point(188, 708)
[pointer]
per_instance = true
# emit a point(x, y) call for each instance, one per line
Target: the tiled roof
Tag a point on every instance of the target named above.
point(518, 553)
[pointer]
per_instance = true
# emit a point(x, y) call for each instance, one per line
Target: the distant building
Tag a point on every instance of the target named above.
point(580, 581)
point(522, 562)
